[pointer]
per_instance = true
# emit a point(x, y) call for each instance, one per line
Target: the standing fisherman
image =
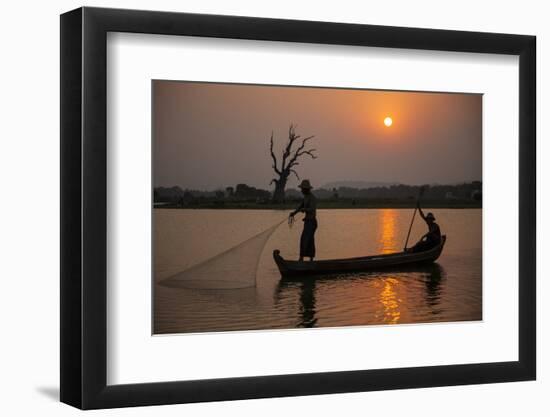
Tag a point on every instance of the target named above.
point(309, 207)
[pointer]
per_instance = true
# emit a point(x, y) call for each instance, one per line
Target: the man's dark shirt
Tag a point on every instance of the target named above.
point(309, 206)
point(434, 234)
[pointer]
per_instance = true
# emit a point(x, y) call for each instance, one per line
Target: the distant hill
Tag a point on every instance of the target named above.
point(358, 184)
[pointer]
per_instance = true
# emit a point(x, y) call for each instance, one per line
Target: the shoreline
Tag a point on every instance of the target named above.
point(327, 205)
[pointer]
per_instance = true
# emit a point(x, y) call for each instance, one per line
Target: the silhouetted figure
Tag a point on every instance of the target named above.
point(430, 239)
point(309, 207)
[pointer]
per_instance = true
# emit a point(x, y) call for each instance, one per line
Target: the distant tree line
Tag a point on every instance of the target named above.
point(241, 192)
point(464, 191)
point(245, 193)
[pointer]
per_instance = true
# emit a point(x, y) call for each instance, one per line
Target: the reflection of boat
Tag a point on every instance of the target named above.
point(360, 264)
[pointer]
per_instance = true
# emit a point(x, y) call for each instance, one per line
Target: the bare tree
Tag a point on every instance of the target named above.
point(289, 160)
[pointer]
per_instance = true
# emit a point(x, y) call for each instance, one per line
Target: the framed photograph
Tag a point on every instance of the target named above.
point(256, 208)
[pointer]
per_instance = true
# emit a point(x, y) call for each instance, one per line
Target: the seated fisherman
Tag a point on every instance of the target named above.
point(430, 239)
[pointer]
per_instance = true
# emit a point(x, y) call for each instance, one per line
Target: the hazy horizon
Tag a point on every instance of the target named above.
point(209, 136)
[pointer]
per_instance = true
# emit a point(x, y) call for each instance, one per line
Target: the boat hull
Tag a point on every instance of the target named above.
point(297, 269)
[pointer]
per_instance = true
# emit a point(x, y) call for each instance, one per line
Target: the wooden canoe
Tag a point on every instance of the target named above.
point(394, 261)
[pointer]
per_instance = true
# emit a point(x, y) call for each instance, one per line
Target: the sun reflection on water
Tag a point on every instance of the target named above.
point(388, 244)
point(387, 239)
point(388, 298)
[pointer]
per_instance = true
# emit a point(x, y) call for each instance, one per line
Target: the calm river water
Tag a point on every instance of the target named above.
point(450, 290)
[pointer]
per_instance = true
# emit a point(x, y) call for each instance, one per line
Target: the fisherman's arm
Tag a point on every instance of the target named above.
point(298, 209)
point(420, 211)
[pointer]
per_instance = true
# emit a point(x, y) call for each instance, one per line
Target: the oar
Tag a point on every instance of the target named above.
point(420, 192)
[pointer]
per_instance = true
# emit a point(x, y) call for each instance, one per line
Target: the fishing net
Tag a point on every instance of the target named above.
point(234, 268)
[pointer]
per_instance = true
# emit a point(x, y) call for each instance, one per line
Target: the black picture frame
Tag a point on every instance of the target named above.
point(84, 207)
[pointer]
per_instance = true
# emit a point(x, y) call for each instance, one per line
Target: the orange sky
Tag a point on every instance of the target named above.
point(209, 135)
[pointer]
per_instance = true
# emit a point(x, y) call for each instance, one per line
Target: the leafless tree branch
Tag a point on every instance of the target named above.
point(301, 151)
point(295, 173)
point(289, 159)
point(273, 157)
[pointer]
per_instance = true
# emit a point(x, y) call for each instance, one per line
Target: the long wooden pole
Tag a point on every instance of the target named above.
point(420, 192)
point(410, 228)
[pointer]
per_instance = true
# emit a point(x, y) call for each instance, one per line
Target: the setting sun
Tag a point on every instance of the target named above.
point(388, 121)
